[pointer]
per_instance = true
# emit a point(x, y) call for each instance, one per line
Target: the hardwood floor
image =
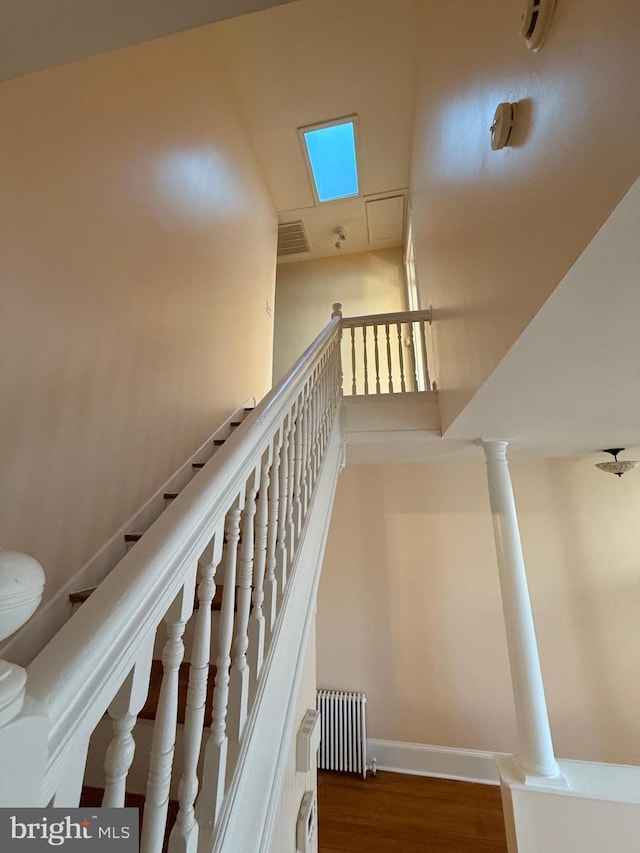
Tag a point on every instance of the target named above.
point(395, 813)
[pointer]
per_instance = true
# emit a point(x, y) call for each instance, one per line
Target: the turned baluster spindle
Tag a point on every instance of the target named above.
point(255, 651)
point(403, 386)
point(412, 350)
point(164, 730)
point(184, 835)
point(376, 355)
point(423, 338)
point(239, 675)
point(297, 473)
point(354, 388)
point(283, 539)
point(123, 713)
point(215, 775)
point(290, 530)
point(364, 355)
point(273, 519)
point(389, 362)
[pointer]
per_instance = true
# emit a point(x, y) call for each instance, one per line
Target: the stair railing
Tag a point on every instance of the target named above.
point(239, 524)
point(385, 353)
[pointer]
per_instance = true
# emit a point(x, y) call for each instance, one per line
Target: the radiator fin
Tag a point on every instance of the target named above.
point(343, 739)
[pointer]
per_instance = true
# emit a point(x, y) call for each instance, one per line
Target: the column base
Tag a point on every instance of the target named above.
point(513, 773)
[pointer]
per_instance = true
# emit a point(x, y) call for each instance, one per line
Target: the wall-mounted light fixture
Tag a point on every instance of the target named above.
point(618, 467)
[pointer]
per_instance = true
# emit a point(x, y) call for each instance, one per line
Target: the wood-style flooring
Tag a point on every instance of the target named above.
point(396, 813)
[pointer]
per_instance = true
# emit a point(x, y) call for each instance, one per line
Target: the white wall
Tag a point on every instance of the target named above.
point(364, 283)
point(496, 231)
point(295, 783)
point(409, 606)
point(138, 252)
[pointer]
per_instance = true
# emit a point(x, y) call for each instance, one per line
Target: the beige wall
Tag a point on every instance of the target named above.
point(138, 254)
point(365, 283)
point(409, 605)
point(497, 230)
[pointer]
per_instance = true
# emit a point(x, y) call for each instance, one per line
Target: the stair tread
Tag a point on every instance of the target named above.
point(169, 496)
point(151, 705)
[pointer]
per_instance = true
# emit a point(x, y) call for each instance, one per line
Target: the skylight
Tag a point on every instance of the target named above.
point(331, 149)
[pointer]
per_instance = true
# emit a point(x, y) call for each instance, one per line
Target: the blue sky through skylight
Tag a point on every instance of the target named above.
point(332, 154)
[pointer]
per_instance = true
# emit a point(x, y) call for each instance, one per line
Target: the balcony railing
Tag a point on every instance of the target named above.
point(385, 353)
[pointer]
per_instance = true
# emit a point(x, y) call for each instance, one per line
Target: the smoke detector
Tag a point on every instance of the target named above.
point(502, 125)
point(536, 20)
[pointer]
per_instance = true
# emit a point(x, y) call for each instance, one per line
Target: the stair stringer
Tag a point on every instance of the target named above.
point(27, 643)
point(248, 818)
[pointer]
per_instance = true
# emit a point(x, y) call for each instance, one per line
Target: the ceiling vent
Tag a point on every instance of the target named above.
point(536, 20)
point(292, 239)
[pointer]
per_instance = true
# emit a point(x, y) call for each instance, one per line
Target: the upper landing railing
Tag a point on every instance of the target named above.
point(384, 353)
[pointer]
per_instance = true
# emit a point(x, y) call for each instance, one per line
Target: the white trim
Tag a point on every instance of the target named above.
point(443, 762)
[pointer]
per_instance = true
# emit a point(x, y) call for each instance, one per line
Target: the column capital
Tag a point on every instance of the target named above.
point(494, 448)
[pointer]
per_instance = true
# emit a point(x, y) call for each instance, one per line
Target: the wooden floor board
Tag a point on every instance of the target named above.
point(397, 813)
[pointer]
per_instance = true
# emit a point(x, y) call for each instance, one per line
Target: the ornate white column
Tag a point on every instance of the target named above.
point(535, 748)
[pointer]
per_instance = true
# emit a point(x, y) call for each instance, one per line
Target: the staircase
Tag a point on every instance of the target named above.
point(195, 640)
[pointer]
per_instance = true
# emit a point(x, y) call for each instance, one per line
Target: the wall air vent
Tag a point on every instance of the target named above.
point(292, 239)
point(536, 20)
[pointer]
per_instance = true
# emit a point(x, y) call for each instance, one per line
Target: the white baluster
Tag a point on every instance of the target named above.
point(389, 362)
point(298, 468)
point(403, 386)
point(255, 652)
point(164, 730)
point(290, 531)
point(412, 348)
point(427, 380)
point(214, 776)
point(184, 835)
point(285, 515)
point(354, 389)
point(239, 676)
point(366, 367)
point(123, 712)
point(376, 354)
point(271, 581)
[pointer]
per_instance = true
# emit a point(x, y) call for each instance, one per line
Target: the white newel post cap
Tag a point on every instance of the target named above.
point(22, 582)
point(337, 310)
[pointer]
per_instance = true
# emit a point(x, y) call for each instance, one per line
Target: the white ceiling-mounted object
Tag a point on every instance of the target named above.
point(619, 467)
point(536, 20)
point(502, 125)
point(292, 238)
point(385, 218)
point(341, 234)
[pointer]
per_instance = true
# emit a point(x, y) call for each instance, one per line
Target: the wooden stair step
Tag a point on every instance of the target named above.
point(92, 798)
point(151, 705)
point(78, 596)
point(170, 496)
point(198, 464)
point(218, 442)
point(235, 423)
point(133, 537)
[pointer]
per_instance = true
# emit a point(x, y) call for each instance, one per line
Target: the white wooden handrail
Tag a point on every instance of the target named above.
point(391, 317)
point(99, 658)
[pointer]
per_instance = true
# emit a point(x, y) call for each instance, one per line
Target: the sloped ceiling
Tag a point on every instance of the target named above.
point(318, 60)
point(37, 34)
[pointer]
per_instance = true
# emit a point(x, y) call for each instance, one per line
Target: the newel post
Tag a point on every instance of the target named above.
point(23, 725)
point(336, 310)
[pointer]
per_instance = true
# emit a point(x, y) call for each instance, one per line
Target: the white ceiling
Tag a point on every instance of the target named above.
point(317, 60)
point(36, 34)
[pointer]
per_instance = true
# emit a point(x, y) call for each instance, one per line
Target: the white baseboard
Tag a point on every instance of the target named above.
point(466, 765)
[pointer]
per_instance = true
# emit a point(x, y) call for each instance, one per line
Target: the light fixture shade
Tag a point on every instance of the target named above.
point(618, 468)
